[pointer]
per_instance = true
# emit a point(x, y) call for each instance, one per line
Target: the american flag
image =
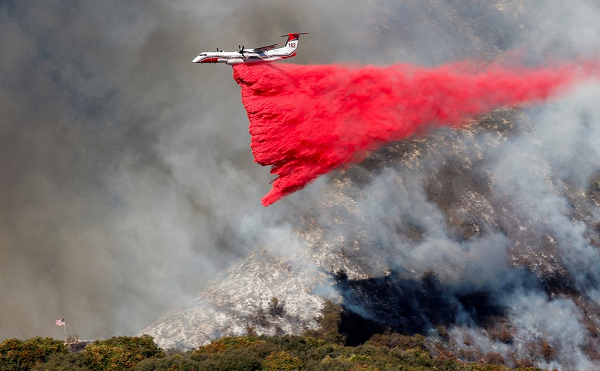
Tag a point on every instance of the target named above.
point(60, 322)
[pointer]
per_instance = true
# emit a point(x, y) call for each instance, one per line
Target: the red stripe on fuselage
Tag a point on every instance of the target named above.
point(210, 60)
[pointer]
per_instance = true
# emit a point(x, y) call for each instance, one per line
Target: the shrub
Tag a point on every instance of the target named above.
point(367, 350)
point(393, 340)
point(119, 353)
point(260, 350)
point(329, 324)
point(63, 362)
point(332, 364)
point(330, 319)
point(494, 358)
point(16, 354)
point(173, 363)
point(276, 308)
point(226, 343)
point(443, 332)
point(548, 352)
point(362, 367)
point(231, 360)
point(503, 334)
point(326, 351)
point(282, 361)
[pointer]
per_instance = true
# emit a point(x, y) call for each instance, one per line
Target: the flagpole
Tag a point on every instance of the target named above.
point(62, 322)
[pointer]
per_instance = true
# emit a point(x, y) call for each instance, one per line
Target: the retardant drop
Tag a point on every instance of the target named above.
point(307, 120)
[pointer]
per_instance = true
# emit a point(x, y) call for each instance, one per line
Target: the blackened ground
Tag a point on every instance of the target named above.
point(408, 306)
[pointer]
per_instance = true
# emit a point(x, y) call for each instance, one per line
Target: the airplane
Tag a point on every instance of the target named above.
point(264, 54)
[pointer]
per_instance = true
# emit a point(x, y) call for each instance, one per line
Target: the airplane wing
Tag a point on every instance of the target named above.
point(265, 48)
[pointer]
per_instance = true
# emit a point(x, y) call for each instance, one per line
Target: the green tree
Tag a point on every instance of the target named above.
point(329, 324)
point(16, 354)
point(119, 353)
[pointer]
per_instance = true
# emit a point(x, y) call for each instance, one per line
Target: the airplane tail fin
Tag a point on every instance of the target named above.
point(292, 41)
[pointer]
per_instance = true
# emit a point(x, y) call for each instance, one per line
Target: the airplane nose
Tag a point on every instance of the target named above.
point(196, 60)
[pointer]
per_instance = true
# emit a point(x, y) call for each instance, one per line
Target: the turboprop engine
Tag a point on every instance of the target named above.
point(234, 61)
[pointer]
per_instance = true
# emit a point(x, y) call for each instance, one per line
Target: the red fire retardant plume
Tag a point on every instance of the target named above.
point(308, 120)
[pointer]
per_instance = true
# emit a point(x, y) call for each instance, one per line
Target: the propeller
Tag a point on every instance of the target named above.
point(241, 49)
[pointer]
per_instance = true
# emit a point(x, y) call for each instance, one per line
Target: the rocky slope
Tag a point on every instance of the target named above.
point(485, 238)
point(431, 236)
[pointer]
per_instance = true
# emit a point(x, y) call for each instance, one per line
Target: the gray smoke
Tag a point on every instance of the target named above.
point(521, 225)
point(127, 178)
point(127, 183)
point(126, 171)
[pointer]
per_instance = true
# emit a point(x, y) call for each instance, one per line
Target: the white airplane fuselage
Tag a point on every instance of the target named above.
point(264, 54)
point(246, 57)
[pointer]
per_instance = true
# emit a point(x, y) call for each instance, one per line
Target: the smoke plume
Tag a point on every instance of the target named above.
point(308, 120)
point(127, 184)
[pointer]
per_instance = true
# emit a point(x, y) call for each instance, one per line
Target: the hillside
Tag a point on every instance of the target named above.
point(484, 238)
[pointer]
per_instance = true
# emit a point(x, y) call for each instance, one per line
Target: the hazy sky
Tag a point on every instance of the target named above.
point(126, 179)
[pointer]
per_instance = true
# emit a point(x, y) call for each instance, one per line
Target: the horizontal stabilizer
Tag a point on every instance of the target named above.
point(297, 34)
